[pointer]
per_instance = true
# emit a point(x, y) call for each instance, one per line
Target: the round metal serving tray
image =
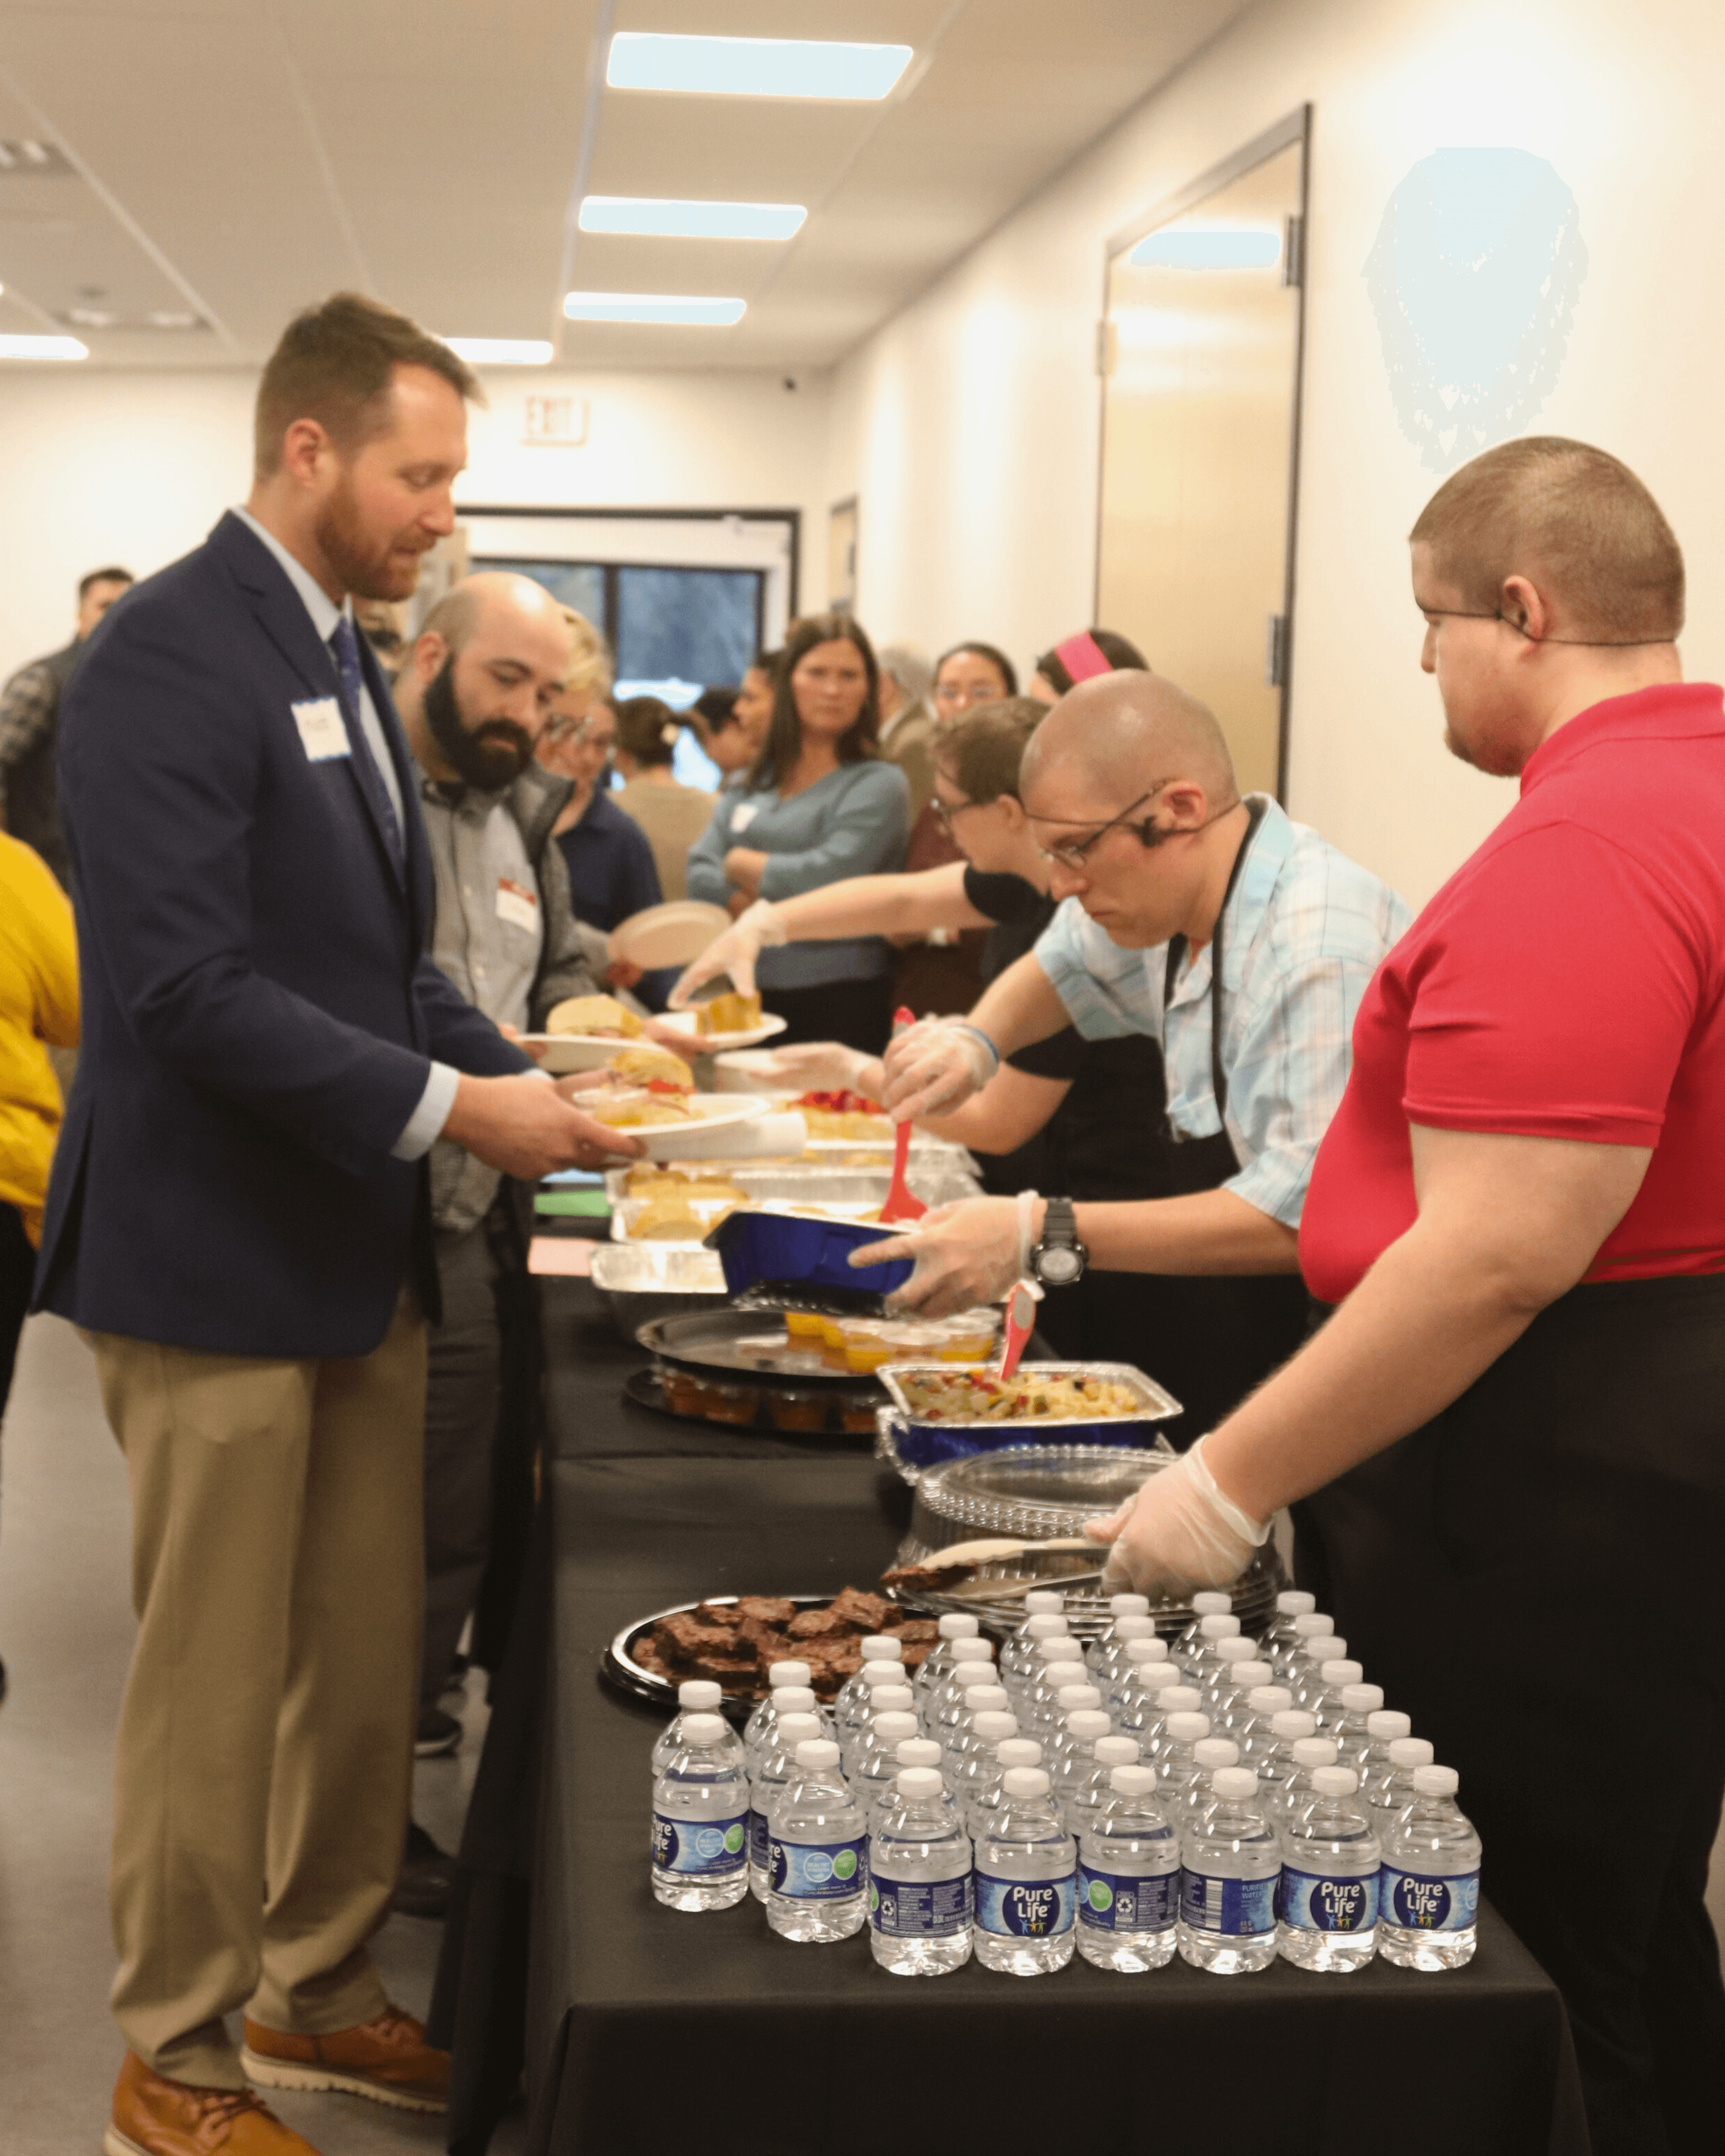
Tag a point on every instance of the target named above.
point(1036, 1492)
point(732, 1340)
point(618, 1667)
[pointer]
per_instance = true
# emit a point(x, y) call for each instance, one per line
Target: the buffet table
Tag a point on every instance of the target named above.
point(628, 2006)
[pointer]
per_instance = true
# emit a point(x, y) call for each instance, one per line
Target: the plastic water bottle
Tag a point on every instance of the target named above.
point(1171, 1755)
point(1330, 1856)
point(952, 1628)
point(1430, 1887)
point(1390, 1792)
point(877, 1647)
point(850, 1710)
point(882, 1699)
point(1134, 1607)
point(1224, 1654)
point(767, 1718)
point(1072, 1754)
point(778, 1674)
point(1211, 1603)
point(1106, 1654)
point(877, 1763)
point(1257, 1738)
point(1038, 1696)
point(701, 1820)
point(1209, 1756)
point(1305, 1678)
point(1011, 1752)
point(1309, 1753)
point(1128, 1658)
point(818, 1888)
point(1230, 1863)
point(1015, 1656)
point(776, 1768)
point(945, 1702)
point(919, 1752)
point(1293, 1603)
point(1336, 1676)
point(1356, 1704)
point(1069, 1700)
point(1140, 1711)
point(1026, 1881)
point(1381, 1729)
point(1085, 1794)
point(921, 1906)
point(1229, 1709)
point(1289, 1656)
point(1275, 1765)
point(1201, 1662)
point(1128, 1878)
point(699, 1696)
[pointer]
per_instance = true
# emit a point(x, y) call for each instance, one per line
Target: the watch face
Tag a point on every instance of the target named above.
point(1059, 1264)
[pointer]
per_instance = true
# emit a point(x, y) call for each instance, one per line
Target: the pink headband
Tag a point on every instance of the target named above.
point(1083, 657)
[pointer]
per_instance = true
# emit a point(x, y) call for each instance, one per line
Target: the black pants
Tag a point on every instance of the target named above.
point(17, 1269)
point(1534, 1577)
point(858, 1013)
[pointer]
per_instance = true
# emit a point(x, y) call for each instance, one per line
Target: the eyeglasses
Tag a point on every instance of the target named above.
point(945, 811)
point(1074, 853)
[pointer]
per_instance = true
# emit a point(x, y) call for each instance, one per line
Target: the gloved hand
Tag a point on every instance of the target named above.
point(827, 1066)
point(933, 1066)
point(965, 1254)
point(758, 928)
point(1179, 1532)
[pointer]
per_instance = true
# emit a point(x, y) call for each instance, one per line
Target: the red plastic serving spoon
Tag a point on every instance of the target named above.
point(1020, 1324)
point(900, 1204)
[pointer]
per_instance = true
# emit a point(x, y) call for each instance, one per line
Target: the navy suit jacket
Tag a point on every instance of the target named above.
point(259, 1013)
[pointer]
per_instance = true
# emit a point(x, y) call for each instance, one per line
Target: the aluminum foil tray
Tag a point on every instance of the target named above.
point(641, 1281)
point(914, 1444)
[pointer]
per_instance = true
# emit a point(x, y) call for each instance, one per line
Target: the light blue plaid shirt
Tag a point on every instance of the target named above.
point(1302, 934)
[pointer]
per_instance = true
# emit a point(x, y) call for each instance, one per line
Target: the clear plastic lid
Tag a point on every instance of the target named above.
point(1070, 1698)
point(699, 1696)
point(817, 1752)
point(1269, 1699)
point(1362, 1698)
point(1018, 1751)
point(893, 1728)
point(919, 1782)
point(1132, 1781)
point(1146, 1647)
point(1334, 1781)
point(917, 1751)
point(1293, 1722)
point(1387, 1722)
point(1410, 1752)
point(1188, 1728)
point(1116, 1751)
point(1212, 1603)
point(1045, 1602)
point(881, 1671)
point(788, 1673)
point(1314, 1751)
point(793, 1699)
point(1129, 1605)
point(1436, 1781)
point(1233, 1784)
point(1218, 1624)
point(1340, 1672)
point(1210, 1752)
point(1024, 1782)
point(703, 1728)
point(956, 1625)
point(882, 1647)
point(1087, 1723)
point(1295, 1602)
point(994, 1726)
point(1314, 1625)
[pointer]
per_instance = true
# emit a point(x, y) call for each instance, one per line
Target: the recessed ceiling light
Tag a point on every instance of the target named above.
point(754, 67)
point(43, 347)
point(649, 307)
point(653, 215)
point(501, 352)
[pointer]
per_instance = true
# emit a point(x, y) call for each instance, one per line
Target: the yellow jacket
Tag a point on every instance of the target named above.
point(39, 1004)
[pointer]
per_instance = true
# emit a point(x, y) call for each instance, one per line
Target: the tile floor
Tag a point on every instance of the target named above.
point(65, 1632)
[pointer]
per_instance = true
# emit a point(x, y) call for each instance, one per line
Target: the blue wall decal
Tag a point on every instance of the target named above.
point(1473, 277)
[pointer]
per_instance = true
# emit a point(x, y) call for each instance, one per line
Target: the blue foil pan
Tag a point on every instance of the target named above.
point(791, 1250)
point(914, 1444)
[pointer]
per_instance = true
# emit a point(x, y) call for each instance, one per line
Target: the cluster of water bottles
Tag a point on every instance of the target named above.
point(1229, 1798)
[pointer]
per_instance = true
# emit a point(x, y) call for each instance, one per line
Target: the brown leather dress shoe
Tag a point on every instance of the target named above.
point(155, 2117)
point(387, 2059)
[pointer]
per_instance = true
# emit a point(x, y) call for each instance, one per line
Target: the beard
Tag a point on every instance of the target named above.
point(490, 756)
point(370, 567)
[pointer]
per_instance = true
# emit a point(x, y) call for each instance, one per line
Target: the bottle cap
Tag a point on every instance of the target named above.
point(882, 1647)
point(1233, 1649)
point(1337, 1674)
point(1295, 1602)
point(891, 1699)
point(1362, 1698)
point(1132, 1781)
point(881, 1672)
point(974, 1647)
point(1024, 1782)
point(1233, 1784)
point(1210, 1752)
point(918, 1782)
point(1071, 1698)
point(1047, 1626)
point(1322, 1647)
point(917, 1751)
point(995, 1724)
point(1211, 1603)
point(1180, 1699)
point(1018, 1751)
point(1313, 1626)
point(1148, 1647)
point(1334, 1781)
point(956, 1625)
point(987, 1699)
point(799, 1723)
point(1129, 1605)
point(1188, 1728)
point(817, 1752)
point(793, 1699)
point(1059, 1647)
point(1248, 1676)
point(788, 1672)
point(703, 1728)
point(1158, 1677)
point(1132, 1626)
point(1294, 1722)
point(1087, 1723)
point(1045, 1602)
point(1314, 1751)
point(1436, 1781)
point(700, 1695)
point(1387, 1722)
point(1117, 1752)
point(1410, 1752)
point(1217, 1625)
point(893, 1728)
point(1269, 1699)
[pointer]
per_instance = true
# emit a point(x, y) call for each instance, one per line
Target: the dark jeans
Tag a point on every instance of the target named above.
point(17, 1269)
point(858, 1013)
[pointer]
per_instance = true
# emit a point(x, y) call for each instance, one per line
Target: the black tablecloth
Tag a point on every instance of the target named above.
point(630, 2007)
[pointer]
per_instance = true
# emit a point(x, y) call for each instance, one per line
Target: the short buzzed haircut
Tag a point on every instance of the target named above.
point(87, 584)
point(1573, 520)
point(334, 364)
point(981, 752)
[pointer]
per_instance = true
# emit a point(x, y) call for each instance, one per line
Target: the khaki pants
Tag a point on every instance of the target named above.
point(263, 1766)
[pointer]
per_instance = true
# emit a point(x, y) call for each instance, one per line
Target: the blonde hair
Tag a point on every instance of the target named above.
point(590, 662)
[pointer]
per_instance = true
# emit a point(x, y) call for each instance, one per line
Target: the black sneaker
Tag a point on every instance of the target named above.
point(423, 1889)
point(438, 1734)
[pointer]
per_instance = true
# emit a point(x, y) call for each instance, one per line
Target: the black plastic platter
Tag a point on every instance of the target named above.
point(619, 1667)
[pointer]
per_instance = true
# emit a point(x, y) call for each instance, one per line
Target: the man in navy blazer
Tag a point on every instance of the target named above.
point(238, 1221)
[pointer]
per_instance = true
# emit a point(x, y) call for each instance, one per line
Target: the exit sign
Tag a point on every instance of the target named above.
point(554, 422)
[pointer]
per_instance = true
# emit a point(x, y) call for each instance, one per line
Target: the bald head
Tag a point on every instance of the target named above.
point(1111, 739)
point(498, 600)
point(483, 672)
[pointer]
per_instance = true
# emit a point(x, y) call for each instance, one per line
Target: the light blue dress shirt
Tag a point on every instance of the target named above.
point(1303, 932)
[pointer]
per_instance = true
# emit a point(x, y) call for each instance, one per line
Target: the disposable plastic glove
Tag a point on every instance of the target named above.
point(827, 1066)
point(965, 1254)
point(935, 1065)
point(757, 928)
point(1179, 1532)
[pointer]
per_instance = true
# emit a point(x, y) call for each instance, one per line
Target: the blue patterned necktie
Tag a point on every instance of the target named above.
point(344, 649)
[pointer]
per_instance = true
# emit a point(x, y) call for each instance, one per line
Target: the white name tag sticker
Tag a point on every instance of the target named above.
point(322, 732)
point(517, 905)
point(745, 815)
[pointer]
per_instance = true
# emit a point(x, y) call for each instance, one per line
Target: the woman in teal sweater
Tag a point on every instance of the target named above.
point(820, 805)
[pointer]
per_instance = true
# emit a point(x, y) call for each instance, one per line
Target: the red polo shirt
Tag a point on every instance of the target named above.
point(1565, 982)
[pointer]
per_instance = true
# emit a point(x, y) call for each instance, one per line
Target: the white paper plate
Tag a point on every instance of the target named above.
point(674, 934)
point(731, 1127)
point(561, 1053)
point(718, 1043)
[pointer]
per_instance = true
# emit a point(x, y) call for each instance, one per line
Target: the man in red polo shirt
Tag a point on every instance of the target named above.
point(1510, 1437)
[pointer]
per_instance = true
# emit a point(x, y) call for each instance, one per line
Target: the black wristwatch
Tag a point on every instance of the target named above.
point(1060, 1259)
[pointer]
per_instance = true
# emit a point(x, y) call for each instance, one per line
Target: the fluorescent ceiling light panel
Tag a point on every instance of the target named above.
point(501, 352)
point(754, 67)
point(652, 216)
point(649, 307)
point(43, 347)
point(1238, 248)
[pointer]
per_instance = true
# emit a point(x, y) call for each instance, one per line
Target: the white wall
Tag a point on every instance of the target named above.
point(968, 426)
point(103, 466)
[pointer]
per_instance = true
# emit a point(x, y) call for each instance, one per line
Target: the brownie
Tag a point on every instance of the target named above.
point(815, 1625)
point(868, 1612)
point(766, 1608)
point(914, 1628)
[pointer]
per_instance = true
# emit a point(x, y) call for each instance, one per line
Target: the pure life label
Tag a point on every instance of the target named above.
point(1026, 1908)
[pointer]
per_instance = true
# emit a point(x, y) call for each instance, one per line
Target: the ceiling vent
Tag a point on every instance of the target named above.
point(32, 160)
